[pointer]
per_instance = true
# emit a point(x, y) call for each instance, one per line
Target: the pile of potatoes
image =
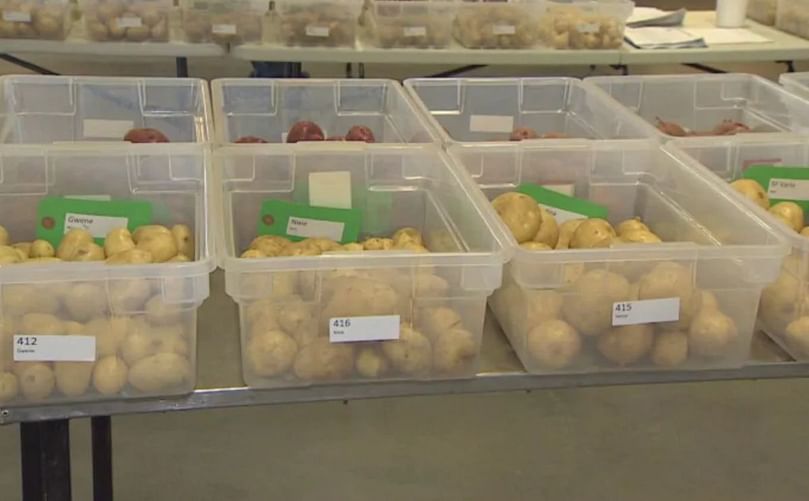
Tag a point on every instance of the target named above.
point(495, 25)
point(793, 17)
point(34, 20)
point(573, 28)
point(327, 24)
point(233, 27)
point(131, 21)
point(419, 31)
point(763, 11)
point(285, 336)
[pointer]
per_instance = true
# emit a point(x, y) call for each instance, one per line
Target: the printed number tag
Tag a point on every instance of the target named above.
point(353, 329)
point(35, 348)
point(647, 311)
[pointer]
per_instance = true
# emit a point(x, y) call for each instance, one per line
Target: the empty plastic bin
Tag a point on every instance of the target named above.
point(584, 24)
point(266, 109)
point(796, 83)
point(490, 109)
point(566, 310)
point(406, 23)
point(484, 24)
point(39, 19)
point(763, 11)
point(329, 23)
point(708, 104)
point(126, 20)
point(79, 331)
point(422, 312)
point(224, 21)
point(784, 307)
point(48, 109)
point(793, 17)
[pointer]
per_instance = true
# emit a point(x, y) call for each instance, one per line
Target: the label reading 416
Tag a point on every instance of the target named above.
point(354, 329)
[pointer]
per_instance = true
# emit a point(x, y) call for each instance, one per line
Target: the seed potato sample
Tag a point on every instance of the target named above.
point(669, 280)
point(790, 213)
point(553, 344)
point(670, 349)
point(495, 25)
point(454, 352)
point(271, 353)
point(370, 363)
point(752, 190)
point(411, 354)
point(569, 27)
point(318, 24)
point(592, 233)
point(520, 213)
point(33, 20)
point(626, 345)
point(588, 306)
point(132, 21)
point(712, 333)
point(322, 360)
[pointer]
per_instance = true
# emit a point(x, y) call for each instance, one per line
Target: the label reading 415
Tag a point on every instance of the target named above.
point(648, 311)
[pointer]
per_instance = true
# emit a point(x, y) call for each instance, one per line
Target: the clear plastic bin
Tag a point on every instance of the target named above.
point(266, 109)
point(556, 306)
point(796, 83)
point(490, 109)
point(784, 307)
point(142, 316)
point(793, 17)
point(329, 23)
point(704, 104)
point(40, 19)
point(48, 109)
point(224, 21)
point(485, 24)
point(126, 20)
point(406, 23)
point(584, 24)
point(287, 303)
point(763, 11)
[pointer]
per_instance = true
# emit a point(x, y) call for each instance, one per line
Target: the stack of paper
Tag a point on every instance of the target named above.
point(681, 38)
point(649, 16)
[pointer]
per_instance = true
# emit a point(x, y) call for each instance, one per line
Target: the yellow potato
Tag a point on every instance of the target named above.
point(631, 225)
point(752, 190)
point(270, 353)
point(89, 251)
point(437, 320)
point(790, 213)
point(455, 352)
point(24, 248)
point(183, 240)
point(566, 231)
point(9, 387)
point(670, 349)
point(670, 280)
point(109, 375)
point(411, 354)
point(253, 254)
point(4, 240)
point(553, 344)
point(371, 364)
point(159, 312)
point(117, 241)
point(548, 232)
point(592, 233)
point(796, 335)
point(71, 242)
point(712, 334)
point(535, 246)
point(132, 256)
point(9, 255)
point(269, 245)
point(85, 301)
point(520, 213)
point(41, 249)
point(377, 244)
point(109, 333)
point(160, 372)
point(640, 237)
point(160, 245)
point(321, 360)
point(407, 235)
point(36, 380)
point(42, 324)
point(128, 295)
point(627, 344)
point(73, 378)
point(588, 306)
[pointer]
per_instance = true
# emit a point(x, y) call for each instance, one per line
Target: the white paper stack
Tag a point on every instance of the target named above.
point(655, 37)
point(650, 16)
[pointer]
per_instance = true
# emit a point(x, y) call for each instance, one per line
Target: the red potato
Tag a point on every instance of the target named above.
point(671, 128)
point(729, 128)
point(521, 133)
point(145, 135)
point(250, 140)
point(360, 133)
point(555, 135)
point(305, 131)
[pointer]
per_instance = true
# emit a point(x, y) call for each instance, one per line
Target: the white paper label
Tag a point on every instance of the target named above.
point(491, 123)
point(17, 17)
point(129, 22)
point(565, 189)
point(587, 28)
point(35, 348)
point(504, 29)
point(314, 228)
point(562, 215)
point(789, 189)
point(415, 31)
point(106, 128)
point(224, 29)
point(317, 31)
point(647, 311)
point(98, 226)
point(351, 329)
point(330, 189)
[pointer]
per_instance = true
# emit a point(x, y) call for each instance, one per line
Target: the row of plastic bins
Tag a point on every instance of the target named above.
point(512, 24)
point(791, 16)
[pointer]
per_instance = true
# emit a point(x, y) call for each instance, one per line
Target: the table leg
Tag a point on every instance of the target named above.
point(101, 429)
point(45, 455)
point(182, 67)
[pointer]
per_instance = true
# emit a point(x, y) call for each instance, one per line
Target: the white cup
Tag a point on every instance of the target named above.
point(731, 13)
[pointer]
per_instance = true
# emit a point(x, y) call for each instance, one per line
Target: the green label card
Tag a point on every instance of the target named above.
point(299, 221)
point(782, 183)
point(56, 216)
point(563, 207)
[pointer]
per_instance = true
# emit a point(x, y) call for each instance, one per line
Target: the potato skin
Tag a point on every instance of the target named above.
point(109, 375)
point(411, 354)
point(626, 345)
point(322, 360)
point(159, 372)
point(455, 352)
point(588, 307)
point(553, 344)
point(270, 353)
point(520, 213)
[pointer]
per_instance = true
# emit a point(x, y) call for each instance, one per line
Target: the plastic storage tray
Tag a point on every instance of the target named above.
point(488, 109)
point(330, 23)
point(126, 20)
point(716, 245)
point(787, 300)
point(796, 83)
point(793, 17)
point(42, 19)
point(143, 317)
point(763, 11)
point(268, 108)
point(484, 24)
point(47, 109)
point(584, 24)
point(702, 102)
point(406, 23)
point(287, 303)
point(224, 21)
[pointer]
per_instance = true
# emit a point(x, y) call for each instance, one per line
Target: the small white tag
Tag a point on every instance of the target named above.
point(504, 29)
point(587, 28)
point(491, 123)
point(314, 228)
point(129, 22)
point(351, 329)
point(317, 31)
point(789, 189)
point(562, 215)
point(98, 226)
point(330, 189)
point(17, 17)
point(415, 31)
point(647, 311)
point(34, 348)
point(224, 29)
point(106, 128)
point(564, 189)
